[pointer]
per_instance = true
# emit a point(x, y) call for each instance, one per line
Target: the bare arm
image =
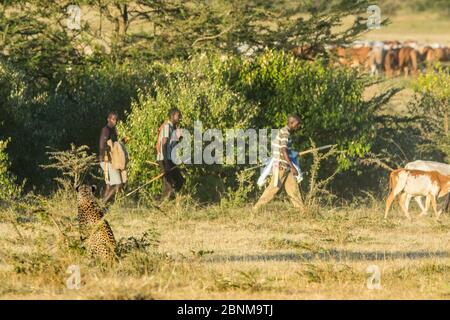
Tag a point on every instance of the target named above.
point(103, 147)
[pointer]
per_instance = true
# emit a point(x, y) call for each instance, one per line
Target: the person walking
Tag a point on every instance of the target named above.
point(284, 170)
point(113, 177)
point(168, 137)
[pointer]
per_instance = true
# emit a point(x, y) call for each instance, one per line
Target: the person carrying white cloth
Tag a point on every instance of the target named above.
point(285, 173)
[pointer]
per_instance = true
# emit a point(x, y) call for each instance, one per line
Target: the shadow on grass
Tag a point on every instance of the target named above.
point(336, 255)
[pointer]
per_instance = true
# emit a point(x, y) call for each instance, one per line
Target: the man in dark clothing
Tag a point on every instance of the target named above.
point(113, 178)
point(168, 137)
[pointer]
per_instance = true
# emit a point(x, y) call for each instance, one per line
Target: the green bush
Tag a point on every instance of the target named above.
point(259, 93)
point(71, 109)
point(432, 104)
point(329, 100)
point(197, 88)
point(8, 187)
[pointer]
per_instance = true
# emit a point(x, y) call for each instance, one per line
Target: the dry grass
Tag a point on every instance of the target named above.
point(221, 253)
point(215, 252)
point(425, 27)
point(399, 102)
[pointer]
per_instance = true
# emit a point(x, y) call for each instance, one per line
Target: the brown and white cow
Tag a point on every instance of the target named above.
point(434, 55)
point(424, 165)
point(416, 183)
point(407, 60)
point(354, 57)
point(376, 59)
point(391, 62)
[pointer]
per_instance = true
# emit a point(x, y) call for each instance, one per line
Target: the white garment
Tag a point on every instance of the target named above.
point(267, 171)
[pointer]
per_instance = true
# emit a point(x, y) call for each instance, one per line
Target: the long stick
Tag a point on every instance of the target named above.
point(145, 184)
point(316, 149)
point(148, 182)
point(300, 154)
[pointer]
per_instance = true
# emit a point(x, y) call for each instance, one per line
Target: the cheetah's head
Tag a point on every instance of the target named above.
point(86, 192)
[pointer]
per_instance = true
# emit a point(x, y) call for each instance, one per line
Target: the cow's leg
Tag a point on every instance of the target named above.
point(407, 201)
point(402, 201)
point(414, 63)
point(389, 200)
point(427, 205)
point(434, 205)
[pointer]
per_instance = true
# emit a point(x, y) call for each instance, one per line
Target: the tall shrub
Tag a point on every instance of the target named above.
point(197, 88)
point(71, 109)
point(432, 104)
point(8, 187)
point(329, 100)
point(259, 93)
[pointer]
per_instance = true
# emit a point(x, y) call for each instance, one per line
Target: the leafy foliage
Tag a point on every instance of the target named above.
point(432, 105)
point(8, 187)
point(74, 164)
point(72, 111)
point(197, 88)
point(330, 102)
point(238, 93)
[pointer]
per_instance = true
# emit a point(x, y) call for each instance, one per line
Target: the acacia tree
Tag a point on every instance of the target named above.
point(35, 34)
point(33, 37)
point(8, 187)
point(320, 26)
point(143, 28)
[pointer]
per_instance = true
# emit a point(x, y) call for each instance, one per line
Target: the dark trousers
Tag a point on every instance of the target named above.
point(172, 180)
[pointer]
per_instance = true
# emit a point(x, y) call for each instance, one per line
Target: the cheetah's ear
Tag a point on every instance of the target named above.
point(93, 187)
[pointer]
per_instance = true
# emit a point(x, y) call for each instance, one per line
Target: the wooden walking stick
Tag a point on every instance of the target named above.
point(145, 184)
point(148, 182)
point(300, 154)
point(316, 149)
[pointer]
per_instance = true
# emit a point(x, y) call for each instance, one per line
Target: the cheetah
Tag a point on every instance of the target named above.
point(94, 229)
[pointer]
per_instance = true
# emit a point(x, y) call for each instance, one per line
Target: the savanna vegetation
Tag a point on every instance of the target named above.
point(227, 64)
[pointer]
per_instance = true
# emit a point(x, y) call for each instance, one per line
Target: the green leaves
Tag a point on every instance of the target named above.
point(8, 187)
point(259, 93)
point(435, 82)
point(328, 100)
point(432, 105)
point(74, 165)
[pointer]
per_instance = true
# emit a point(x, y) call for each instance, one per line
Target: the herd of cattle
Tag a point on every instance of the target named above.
point(391, 58)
